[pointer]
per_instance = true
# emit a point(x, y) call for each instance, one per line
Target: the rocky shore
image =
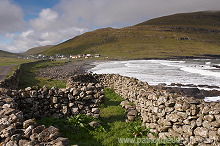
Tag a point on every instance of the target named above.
point(68, 70)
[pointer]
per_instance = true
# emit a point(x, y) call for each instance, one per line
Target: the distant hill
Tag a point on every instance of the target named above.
point(7, 54)
point(37, 50)
point(209, 18)
point(185, 34)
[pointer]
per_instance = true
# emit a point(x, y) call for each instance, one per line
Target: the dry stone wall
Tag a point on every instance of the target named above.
point(168, 114)
point(82, 98)
point(12, 81)
point(16, 131)
point(21, 108)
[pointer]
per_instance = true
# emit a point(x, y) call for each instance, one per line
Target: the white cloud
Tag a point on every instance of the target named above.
point(11, 17)
point(73, 17)
point(127, 12)
point(46, 20)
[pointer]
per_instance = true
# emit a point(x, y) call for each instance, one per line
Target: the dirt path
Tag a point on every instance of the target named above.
point(5, 70)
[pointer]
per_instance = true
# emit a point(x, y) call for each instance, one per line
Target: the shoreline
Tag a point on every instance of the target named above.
point(83, 66)
point(187, 90)
point(180, 57)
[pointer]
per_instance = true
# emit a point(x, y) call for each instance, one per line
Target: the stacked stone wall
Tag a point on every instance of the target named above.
point(168, 114)
point(16, 131)
point(21, 108)
point(83, 98)
point(12, 81)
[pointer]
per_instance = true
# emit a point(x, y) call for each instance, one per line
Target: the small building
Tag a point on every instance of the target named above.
point(97, 55)
point(73, 56)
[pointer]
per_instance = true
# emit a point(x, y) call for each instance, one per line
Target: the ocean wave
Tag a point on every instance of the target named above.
point(195, 72)
point(200, 71)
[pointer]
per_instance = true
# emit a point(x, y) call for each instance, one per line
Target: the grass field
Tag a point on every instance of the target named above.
point(9, 61)
point(29, 77)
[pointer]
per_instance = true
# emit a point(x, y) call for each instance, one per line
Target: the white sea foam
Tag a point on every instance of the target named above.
point(201, 71)
point(212, 99)
point(194, 71)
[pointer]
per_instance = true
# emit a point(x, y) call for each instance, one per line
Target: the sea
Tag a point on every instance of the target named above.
point(204, 73)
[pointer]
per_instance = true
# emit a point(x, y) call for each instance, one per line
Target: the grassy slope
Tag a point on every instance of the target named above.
point(158, 37)
point(37, 50)
point(7, 54)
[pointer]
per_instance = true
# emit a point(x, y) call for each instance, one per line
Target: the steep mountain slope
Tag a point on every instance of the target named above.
point(37, 50)
point(187, 34)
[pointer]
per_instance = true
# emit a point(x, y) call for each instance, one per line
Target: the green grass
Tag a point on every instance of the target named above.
point(37, 50)
point(12, 71)
point(8, 54)
point(113, 126)
point(9, 61)
point(29, 78)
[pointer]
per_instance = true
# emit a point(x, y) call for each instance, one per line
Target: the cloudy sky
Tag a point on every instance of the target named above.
point(25, 24)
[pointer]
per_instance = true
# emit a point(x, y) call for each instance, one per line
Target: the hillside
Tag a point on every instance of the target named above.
point(37, 50)
point(186, 34)
point(196, 18)
point(7, 54)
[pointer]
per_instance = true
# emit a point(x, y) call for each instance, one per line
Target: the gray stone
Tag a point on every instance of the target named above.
point(29, 122)
point(75, 110)
point(195, 140)
point(60, 142)
point(123, 103)
point(11, 143)
point(38, 129)
point(217, 117)
point(28, 131)
point(7, 132)
point(200, 131)
point(132, 113)
point(54, 100)
point(199, 121)
point(188, 129)
point(76, 92)
point(94, 124)
point(213, 135)
point(173, 117)
point(178, 128)
point(48, 134)
point(206, 124)
point(209, 117)
point(24, 142)
point(95, 110)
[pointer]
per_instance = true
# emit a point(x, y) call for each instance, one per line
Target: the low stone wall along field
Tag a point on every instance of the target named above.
point(167, 114)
